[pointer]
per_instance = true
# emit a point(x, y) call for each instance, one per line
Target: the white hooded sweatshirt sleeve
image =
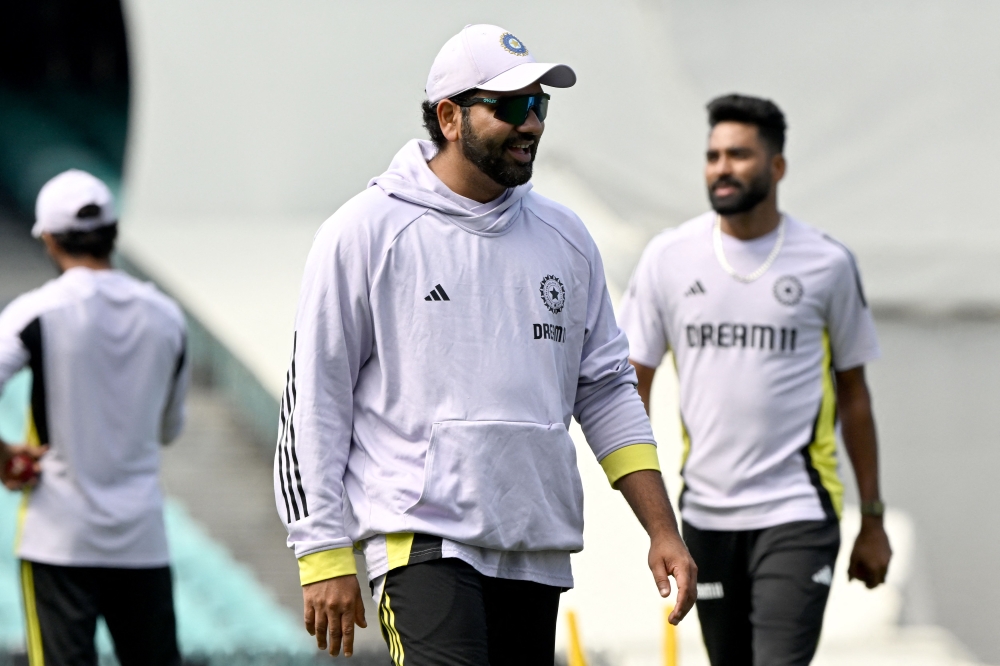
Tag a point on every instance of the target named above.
point(441, 350)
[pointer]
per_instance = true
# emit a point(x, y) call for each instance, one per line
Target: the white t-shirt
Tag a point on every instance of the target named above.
point(109, 376)
point(758, 404)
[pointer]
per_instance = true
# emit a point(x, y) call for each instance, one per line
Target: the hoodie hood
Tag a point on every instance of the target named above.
point(410, 179)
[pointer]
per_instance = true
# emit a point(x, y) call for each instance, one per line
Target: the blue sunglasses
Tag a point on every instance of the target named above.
point(514, 109)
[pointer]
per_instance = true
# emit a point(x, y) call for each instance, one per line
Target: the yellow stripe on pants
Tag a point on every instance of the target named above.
point(36, 656)
point(389, 623)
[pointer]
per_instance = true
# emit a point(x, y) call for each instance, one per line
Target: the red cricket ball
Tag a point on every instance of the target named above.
point(20, 467)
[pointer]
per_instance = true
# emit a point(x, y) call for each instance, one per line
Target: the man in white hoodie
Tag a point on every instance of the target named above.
point(451, 324)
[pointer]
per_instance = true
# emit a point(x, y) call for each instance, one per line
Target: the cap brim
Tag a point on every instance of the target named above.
point(522, 76)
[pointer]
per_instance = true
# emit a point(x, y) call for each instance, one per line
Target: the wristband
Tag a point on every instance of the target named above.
point(873, 508)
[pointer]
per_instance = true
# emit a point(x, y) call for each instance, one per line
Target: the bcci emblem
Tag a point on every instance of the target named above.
point(788, 290)
point(553, 293)
point(513, 45)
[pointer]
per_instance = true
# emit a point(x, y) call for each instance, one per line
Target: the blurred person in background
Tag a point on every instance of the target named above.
point(770, 332)
point(451, 323)
point(109, 376)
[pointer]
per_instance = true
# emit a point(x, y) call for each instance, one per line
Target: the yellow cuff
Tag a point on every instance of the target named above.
point(326, 564)
point(629, 459)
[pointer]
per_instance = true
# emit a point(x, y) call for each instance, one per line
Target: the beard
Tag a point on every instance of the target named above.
point(746, 198)
point(491, 157)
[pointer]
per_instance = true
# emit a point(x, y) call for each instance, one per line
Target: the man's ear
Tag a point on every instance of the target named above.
point(449, 117)
point(778, 167)
point(51, 246)
point(58, 255)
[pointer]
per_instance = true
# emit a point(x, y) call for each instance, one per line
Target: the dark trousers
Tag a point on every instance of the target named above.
point(62, 605)
point(445, 613)
point(762, 593)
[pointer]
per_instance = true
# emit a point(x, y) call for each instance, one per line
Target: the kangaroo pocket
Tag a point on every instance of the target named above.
point(501, 485)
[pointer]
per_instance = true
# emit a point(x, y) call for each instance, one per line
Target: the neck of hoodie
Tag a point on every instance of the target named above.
point(410, 179)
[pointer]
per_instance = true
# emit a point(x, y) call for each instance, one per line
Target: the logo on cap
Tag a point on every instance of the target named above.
point(513, 45)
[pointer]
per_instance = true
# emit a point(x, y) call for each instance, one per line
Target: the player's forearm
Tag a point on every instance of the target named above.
point(645, 493)
point(858, 430)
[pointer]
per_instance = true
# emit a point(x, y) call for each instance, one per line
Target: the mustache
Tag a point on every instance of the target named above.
point(728, 180)
point(522, 137)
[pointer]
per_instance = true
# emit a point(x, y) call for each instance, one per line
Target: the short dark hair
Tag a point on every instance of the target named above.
point(97, 243)
point(763, 113)
point(431, 123)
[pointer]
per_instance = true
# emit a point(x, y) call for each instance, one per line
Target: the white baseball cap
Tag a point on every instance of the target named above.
point(62, 200)
point(490, 58)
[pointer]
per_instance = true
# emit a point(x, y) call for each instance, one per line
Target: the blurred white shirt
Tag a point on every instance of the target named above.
point(107, 355)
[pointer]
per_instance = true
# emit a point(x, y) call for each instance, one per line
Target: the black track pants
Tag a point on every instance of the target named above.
point(446, 613)
point(762, 593)
point(62, 605)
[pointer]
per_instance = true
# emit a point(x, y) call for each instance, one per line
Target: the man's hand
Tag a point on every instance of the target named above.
point(871, 554)
point(668, 556)
point(17, 479)
point(333, 606)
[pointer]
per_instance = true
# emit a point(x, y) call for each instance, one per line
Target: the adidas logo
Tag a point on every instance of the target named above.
point(695, 289)
point(824, 576)
point(437, 294)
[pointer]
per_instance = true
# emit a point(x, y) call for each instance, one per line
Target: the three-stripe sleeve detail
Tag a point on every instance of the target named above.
point(291, 446)
point(280, 459)
point(289, 476)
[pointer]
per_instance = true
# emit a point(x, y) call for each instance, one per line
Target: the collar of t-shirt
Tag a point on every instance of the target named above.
point(746, 256)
